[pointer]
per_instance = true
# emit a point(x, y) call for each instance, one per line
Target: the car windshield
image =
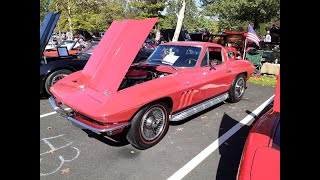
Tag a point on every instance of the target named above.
point(173, 55)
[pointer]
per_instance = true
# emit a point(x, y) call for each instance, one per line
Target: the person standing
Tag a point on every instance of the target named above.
point(268, 37)
point(68, 34)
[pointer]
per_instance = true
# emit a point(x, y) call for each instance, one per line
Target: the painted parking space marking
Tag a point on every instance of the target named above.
point(53, 149)
point(215, 145)
point(48, 114)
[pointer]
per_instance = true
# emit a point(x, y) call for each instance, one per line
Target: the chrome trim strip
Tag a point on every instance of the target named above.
point(84, 126)
point(77, 123)
point(58, 108)
point(199, 107)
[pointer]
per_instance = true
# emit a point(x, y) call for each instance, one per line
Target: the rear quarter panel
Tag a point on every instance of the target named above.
point(241, 66)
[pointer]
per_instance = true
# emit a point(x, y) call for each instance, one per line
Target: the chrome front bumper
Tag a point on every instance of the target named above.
point(115, 129)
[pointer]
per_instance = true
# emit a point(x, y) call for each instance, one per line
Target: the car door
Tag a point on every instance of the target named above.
point(216, 78)
point(190, 84)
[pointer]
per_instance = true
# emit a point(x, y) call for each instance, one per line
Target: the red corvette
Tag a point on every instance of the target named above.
point(261, 154)
point(178, 80)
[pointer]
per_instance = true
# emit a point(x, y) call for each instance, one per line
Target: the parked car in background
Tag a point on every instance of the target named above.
point(54, 68)
point(73, 47)
point(261, 154)
point(52, 44)
point(70, 44)
point(178, 80)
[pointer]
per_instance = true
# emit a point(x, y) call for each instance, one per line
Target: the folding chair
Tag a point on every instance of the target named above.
point(255, 59)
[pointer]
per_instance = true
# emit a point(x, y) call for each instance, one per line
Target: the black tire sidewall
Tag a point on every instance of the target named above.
point(51, 76)
point(232, 96)
point(134, 135)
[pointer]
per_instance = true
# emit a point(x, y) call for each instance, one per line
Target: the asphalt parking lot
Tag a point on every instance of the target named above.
point(67, 152)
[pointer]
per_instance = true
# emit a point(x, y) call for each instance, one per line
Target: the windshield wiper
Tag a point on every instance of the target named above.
point(155, 60)
point(162, 63)
point(172, 67)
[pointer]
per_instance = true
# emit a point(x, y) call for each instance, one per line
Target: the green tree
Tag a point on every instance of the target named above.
point(91, 15)
point(44, 9)
point(193, 18)
point(191, 14)
point(205, 23)
point(67, 7)
point(110, 11)
point(206, 2)
point(252, 11)
point(146, 8)
point(86, 15)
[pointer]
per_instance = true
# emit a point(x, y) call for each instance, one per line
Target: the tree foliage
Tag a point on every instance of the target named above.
point(190, 16)
point(206, 2)
point(44, 9)
point(97, 15)
point(146, 8)
point(193, 18)
point(109, 11)
point(235, 11)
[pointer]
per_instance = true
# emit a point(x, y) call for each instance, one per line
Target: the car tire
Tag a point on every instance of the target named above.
point(54, 77)
point(149, 126)
point(237, 89)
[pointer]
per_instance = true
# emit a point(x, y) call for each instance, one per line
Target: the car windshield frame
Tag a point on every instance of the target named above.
point(177, 52)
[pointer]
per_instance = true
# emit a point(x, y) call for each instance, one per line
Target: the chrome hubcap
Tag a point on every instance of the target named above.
point(240, 87)
point(153, 122)
point(57, 78)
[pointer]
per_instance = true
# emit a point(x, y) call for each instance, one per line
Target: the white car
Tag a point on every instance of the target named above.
point(51, 44)
point(70, 44)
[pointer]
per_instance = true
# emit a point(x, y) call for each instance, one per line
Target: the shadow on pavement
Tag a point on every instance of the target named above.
point(115, 140)
point(231, 150)
point(44, 96)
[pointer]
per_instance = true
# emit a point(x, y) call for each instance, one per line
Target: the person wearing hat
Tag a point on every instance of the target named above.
point(268, 37)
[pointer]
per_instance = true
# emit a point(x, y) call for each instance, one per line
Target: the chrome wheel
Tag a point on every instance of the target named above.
point(57, 78)
point(240, 87)
point(152, 124)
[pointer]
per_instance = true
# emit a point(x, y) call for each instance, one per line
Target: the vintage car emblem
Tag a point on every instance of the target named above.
point(106, 93)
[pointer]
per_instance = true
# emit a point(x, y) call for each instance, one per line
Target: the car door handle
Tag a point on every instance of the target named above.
point(229, 71)
point(187, 83)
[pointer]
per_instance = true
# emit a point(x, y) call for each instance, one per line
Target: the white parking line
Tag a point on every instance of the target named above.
point(212, 147)
point(48, 114)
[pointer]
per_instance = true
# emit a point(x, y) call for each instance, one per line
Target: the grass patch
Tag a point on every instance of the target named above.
point(264, 81)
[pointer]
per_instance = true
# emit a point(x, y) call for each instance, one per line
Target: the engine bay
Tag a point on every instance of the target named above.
point(137, 75)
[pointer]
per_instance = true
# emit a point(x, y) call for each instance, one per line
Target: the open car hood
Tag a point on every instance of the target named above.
point(47, 27)
point(115, 53)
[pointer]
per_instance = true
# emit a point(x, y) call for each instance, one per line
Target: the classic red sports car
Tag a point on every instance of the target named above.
point(178, 80)
point(261, 154)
